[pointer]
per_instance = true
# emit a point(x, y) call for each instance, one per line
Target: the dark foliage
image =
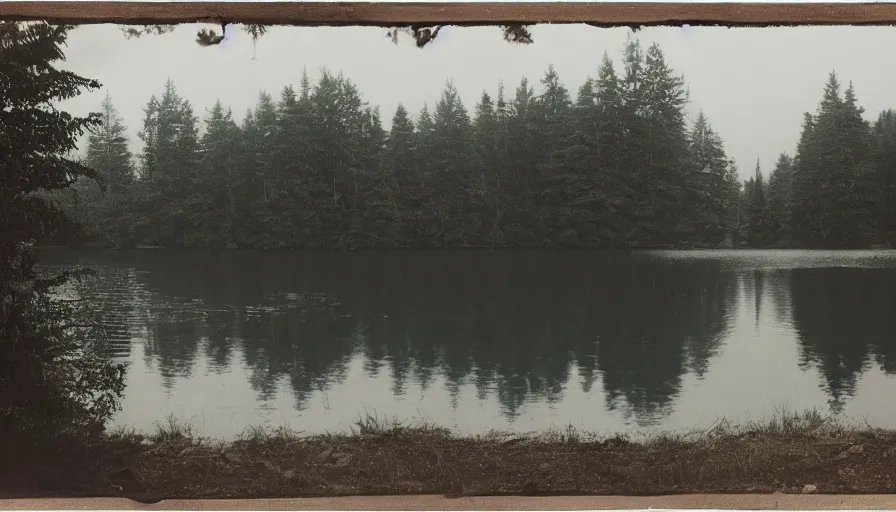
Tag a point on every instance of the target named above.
point(614, 167)
point(54, 372)
point(837, 191)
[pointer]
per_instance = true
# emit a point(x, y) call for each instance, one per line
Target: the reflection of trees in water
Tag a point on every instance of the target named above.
point(220, 333)
point(758, 291)
point(844, 317)
point(778, 282)
point(660, 321)
point(281, 334)
point(883, 340)
point(496, 320)
point(311, 350)
point(173, 342)
point(513, 324)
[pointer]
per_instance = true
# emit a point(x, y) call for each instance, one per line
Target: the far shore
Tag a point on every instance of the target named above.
point(791, 453)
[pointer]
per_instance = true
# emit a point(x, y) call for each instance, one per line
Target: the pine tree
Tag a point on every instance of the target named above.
point(734, 205)
point(523, 157)
point(884, 155)
point(833, 193)
point(107, 213)
point(655, 153)
point(400, 162)
point(553, 125)
point(609, 132)
point(263, 143)
point(804, 213)
point(851, 187)
point(108, 153)
point(261, 219)
point(637, 224)
point(169, 135)
point(353, 114)
point(380, 219)
point(780, 183)
point(586, 117)
point(170, 167)
point(420, 190)
point(664, 99)
point(284, 153)
point(614, 178)
point(614, 167)
point(296, 150)
point(457, 204)
point(745, 226)
point(708, 184)
point(218, 178)
point(572, 206)
point(553, 114)
point(758, 230)
point(288, 152)
point(337, 115)
point(488, 149)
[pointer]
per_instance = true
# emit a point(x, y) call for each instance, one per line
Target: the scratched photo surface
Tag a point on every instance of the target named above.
point(258, 190)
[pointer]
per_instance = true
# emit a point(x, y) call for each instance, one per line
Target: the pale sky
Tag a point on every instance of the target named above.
point(753, 83)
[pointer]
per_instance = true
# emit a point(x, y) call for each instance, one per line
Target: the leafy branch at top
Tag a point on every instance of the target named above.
point(205, 37)
point(514, 33)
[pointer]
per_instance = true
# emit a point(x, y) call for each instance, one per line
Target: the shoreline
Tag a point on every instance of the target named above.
point(804, 453)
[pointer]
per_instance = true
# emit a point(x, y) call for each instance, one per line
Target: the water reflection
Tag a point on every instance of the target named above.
point(845, 319)
point(550, 330)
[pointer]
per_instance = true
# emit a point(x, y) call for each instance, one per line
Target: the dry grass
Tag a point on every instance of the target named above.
point(784, 453)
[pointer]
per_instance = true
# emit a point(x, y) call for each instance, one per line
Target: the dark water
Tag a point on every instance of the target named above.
point(506, 340)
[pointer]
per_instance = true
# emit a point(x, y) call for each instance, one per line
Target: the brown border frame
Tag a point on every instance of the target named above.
point(466, 14)
point(454, 13)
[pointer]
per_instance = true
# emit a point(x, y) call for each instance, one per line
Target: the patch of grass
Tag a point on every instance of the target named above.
point(372, 425)
point(384, 456)
point(175, 434)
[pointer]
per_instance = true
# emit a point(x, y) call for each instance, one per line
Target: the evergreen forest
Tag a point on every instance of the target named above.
point(616, 164)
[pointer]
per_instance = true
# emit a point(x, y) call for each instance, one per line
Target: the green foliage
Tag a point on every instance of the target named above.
point(884, 151)
point(834, 192)
point(54, 372)
point(780, 185)
point(710, 185)
point(758, 216)
point(615, 166)
point(103, 209)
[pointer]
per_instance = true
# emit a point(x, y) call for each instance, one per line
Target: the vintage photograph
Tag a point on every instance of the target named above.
point(274, 261)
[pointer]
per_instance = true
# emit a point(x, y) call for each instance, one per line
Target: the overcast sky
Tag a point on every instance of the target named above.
point(753, 83)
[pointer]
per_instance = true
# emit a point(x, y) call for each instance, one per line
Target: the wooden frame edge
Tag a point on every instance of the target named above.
point(454, 13)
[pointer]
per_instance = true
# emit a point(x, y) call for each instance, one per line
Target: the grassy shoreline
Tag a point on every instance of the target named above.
point(789, 453)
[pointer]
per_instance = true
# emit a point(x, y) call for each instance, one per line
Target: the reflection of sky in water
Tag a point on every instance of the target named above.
point(655, 340)
point(743, 260)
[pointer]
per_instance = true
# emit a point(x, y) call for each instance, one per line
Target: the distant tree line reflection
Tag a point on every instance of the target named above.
point(514, 325)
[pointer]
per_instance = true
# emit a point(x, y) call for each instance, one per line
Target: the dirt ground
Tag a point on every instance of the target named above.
point(796, 454)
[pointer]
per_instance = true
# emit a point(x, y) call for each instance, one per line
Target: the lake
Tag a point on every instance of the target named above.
point(507, 340)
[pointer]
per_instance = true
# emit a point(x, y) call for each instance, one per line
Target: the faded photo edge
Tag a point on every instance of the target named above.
point(454, 13)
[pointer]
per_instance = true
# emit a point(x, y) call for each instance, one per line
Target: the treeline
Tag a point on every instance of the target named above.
point(838, 191)
point(616, 166)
